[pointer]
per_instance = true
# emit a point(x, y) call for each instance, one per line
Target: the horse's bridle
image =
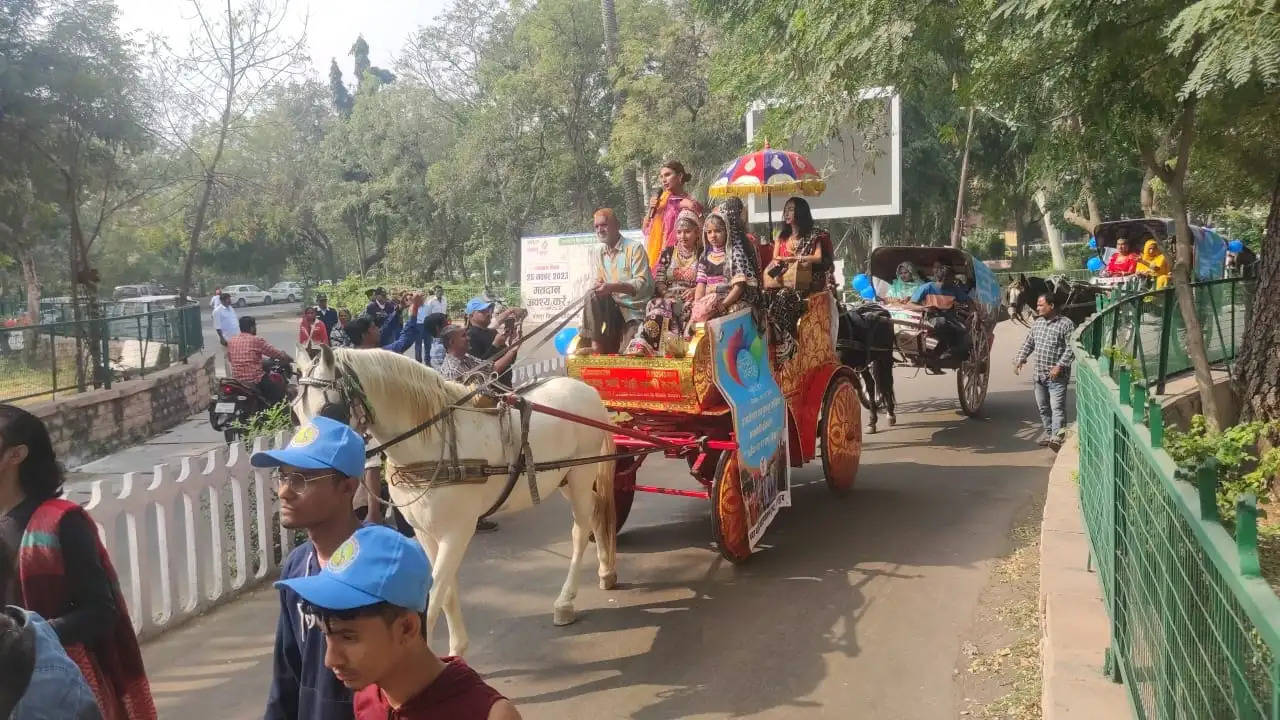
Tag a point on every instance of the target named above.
point(346, 386)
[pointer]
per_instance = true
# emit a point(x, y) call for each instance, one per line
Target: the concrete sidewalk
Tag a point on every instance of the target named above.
point(218, 665)
point(1073, 618)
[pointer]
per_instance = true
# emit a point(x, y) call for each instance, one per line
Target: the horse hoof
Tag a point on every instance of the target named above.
point(564, 615)
point(609, 582)
point(893, 420)
point(871, 429)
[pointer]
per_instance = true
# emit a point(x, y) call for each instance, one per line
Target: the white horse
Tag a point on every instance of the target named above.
point(402, 393)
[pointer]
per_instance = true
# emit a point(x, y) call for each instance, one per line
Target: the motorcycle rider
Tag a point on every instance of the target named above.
point(245, 353)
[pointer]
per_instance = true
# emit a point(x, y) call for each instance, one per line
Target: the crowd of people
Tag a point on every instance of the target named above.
point(649, 297)
point(350, 639)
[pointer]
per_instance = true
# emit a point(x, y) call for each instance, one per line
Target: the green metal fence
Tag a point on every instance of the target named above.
point(46, 361)
point(1194, 628)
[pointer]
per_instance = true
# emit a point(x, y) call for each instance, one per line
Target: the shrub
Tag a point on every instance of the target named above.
point(266, 423)
point(1239, 469)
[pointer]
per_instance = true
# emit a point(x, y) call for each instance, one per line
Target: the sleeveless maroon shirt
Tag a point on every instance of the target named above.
point(458, 693)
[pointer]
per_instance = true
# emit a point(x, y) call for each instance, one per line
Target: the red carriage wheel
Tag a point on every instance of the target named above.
point(728, 514)
point(840, 431)
point(624, 488)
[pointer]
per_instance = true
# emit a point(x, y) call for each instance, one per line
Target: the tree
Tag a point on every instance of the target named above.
point(630, 193)
point(232, 61)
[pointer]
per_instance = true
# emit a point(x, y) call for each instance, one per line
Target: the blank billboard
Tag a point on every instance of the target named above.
point(862, 167)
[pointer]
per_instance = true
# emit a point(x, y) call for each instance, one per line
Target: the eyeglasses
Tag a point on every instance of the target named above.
point(297, 482)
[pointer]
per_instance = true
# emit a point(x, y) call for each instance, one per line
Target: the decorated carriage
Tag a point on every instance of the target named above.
point(739, 419)
point(920, 333)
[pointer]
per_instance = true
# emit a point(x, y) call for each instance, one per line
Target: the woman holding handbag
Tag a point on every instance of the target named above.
point(801, 266)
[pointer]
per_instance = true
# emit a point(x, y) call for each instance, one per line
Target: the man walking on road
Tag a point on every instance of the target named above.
point(226, 324)
point(316, 477)
point(371, 600)
point(1050, 341)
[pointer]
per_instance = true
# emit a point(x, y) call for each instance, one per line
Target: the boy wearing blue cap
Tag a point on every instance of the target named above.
point(316, 478)
point(370, 600)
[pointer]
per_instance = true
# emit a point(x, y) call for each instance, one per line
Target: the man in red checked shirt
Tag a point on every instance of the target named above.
point(245, 353)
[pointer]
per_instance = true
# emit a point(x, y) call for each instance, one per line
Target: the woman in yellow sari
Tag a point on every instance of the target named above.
point(1154, 263)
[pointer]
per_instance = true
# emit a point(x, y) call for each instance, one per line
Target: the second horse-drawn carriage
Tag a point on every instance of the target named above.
point(941, 332)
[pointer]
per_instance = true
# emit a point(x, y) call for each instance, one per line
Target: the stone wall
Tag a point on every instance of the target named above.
point(92, 424)
point(1181, 399)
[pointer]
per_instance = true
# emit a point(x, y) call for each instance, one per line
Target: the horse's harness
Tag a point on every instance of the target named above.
point(352, 404)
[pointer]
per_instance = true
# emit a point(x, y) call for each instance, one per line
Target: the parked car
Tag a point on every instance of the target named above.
point(286, 290)
point(122, 292)
point(242, 295)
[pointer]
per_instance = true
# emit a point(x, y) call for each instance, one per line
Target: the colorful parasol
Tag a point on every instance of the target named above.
point(768, 171)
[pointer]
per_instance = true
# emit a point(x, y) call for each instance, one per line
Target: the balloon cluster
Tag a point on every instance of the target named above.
point(1235, 246)
point(862, 283)
point(564, 338)
point(1094, 264)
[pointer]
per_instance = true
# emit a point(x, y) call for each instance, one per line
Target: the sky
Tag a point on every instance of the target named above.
point(331, 25)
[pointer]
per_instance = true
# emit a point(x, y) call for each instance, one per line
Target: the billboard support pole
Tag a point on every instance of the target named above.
point(875, 231)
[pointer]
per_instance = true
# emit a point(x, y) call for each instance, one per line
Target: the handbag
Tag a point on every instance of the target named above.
point(799, 276)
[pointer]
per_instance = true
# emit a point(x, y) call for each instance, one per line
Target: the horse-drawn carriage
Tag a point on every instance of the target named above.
point(943, 333)
point(736, 416)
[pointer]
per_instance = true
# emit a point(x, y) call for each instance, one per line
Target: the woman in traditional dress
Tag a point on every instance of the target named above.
point(64, 572)
point(1154, 263)
point(660, 223)
point(675, 277)
point(729, 271)
point(904, 284)
point(799, 242)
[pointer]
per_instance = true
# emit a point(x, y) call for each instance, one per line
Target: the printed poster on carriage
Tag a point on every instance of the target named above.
point(555, 270)
point(742, 373)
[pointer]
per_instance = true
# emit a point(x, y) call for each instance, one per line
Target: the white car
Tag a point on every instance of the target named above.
point(242, 295)
point(286, 291)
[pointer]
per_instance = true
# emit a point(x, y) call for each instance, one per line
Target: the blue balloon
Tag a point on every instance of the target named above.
point(861, 281)
point(563, 338)
point(1093, 243)
point(1095, 264)
point(867, 293)
point(1235, 246)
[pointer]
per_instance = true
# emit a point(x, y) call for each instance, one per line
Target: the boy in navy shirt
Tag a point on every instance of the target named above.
point(316, 477)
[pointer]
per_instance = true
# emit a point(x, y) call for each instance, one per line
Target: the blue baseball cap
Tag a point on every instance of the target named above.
point(477, 304)
point(318, 444)
point(376, 564)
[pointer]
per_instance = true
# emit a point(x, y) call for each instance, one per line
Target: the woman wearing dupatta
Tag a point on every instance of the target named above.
point(660, 223)
point(675, 277)
point(729, 271)
point(1154, 263)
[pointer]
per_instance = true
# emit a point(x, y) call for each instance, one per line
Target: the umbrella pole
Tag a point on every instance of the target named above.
point(769, 195)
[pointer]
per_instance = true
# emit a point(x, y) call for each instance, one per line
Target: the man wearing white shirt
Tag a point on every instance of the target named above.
point(434, 304)
point(225, 322)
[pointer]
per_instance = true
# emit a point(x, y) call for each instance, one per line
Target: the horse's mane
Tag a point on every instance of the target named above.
point(391, 380)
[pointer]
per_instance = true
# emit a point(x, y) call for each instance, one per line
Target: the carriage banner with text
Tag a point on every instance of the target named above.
point(555, 270)
point(742, 372)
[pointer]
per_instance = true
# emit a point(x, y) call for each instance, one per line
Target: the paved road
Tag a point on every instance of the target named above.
point(857, 608)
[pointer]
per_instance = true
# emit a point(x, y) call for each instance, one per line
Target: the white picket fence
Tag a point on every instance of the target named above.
point(191, 537)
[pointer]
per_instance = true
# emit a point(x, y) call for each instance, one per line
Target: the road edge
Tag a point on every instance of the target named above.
point(1075, 630)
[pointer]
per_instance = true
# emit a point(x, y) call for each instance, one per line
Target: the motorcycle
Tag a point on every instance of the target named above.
point(235, 403)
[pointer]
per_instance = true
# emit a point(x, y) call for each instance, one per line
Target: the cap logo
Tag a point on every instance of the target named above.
point(346, 553)
point(306, 435)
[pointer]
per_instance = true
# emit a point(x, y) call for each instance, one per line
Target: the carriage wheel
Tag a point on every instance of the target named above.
point(971, 384)
point(840, 432)
point(728, 513)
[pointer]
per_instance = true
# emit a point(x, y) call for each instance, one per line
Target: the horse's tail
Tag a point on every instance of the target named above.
point(605, 516)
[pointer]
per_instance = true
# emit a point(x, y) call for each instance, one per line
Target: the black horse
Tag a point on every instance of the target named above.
point(865, 343)
point(1076, 300)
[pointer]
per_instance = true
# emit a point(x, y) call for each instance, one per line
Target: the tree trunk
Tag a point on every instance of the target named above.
point(633, 204)
point(1051, 232)
point(957, 225)
point(197, 227)
point(32, 281)
point(513, 265)
point(1147, 196)
point(1175, 181)
point(1258, 367)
